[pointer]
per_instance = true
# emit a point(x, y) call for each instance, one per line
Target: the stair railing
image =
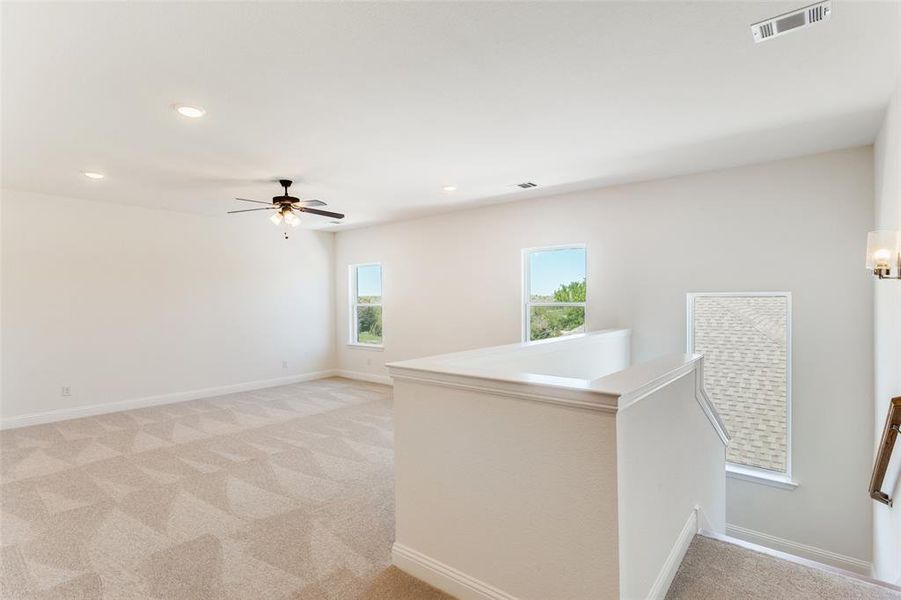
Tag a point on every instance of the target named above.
point(884, 453)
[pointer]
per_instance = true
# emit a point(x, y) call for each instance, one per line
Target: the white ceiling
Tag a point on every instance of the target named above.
point(374, 107)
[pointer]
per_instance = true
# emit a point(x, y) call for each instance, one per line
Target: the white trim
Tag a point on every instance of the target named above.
point(361, 376)
point(570, 336)
point(762, 476)
point(471, 384)
point(376, 347)
point(819, 555)
point(676, 554)
point(689, 339)
point(696, 367)
point(553, 304)
point(525, 297)
point(631, 397)
point(797, 559)
point(89, 410)
point(708, 407)
point(444, 577)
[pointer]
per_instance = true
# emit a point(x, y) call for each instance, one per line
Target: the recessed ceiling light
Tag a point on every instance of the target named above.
point(449, 188)
point(93, 174)
point(192, 112)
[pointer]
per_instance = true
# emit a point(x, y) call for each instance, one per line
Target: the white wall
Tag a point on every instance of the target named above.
point(122, 303)
point(452, 282)
point(660, 483)
point(515, 493)
point(546, 490)
point(887, 521)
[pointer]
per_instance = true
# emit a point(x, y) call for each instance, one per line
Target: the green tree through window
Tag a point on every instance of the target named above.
point(556, 295)
point(366, 304)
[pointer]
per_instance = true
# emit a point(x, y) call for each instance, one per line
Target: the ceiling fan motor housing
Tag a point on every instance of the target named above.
point(285, 183)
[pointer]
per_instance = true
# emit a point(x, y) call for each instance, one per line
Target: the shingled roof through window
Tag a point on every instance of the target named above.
point(743, 339)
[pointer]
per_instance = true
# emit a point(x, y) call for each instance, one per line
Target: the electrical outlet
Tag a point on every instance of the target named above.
point(368, 362)
point(284, 364)
point(66, 391)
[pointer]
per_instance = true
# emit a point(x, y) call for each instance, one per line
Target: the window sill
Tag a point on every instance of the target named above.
point(762, 477)
point(376, 347)
point(555, 339)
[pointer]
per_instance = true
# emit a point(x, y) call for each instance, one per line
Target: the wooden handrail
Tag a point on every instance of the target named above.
point(884, 454)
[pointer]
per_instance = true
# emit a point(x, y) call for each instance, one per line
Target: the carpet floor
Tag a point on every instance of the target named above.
point(273, 494)
point(715, 570)
point(284, 493)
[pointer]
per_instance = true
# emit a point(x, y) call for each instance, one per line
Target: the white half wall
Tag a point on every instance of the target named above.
point(670, 465)
point(887, 520)
point(516, 494)
point(129, 304)
point(453, 282)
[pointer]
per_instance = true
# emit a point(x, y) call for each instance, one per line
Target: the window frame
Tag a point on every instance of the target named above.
point(527, 304)
point(735, 470)
point(354, 306)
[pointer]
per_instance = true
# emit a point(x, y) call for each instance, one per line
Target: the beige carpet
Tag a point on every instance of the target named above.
point(279, 493)
point(274, 494)
point(715, 570)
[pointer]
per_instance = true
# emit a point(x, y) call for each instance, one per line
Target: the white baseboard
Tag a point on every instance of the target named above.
point(826, 557)
point(361, 376)
point(677, 553)
point(76, 412)
point(444, 577)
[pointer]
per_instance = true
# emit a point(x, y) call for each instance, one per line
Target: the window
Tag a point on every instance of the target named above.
point(746, 341)
point(554, 292)
point(366, 304)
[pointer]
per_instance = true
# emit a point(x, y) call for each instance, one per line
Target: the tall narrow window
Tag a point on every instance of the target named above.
point(554, 289)
point(366, 304)
point(746, 341)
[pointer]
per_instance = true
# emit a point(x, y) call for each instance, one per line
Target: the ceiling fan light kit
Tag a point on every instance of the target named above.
point(288, 207)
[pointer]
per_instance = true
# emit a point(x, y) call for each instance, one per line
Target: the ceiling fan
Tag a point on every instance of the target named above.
point(288, 207)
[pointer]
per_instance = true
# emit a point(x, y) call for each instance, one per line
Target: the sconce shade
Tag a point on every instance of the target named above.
point(884, 251)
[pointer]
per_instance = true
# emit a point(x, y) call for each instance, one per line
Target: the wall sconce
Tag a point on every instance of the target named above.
point(884, 254)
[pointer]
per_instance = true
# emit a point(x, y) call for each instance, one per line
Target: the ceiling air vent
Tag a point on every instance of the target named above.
point(798, 19)
point(815, 13)
point(526, 185)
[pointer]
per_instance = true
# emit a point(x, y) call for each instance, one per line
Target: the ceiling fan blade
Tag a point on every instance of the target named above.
point(251, 210)
point(310, 203)
point(257, 201)
point(323, 213)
